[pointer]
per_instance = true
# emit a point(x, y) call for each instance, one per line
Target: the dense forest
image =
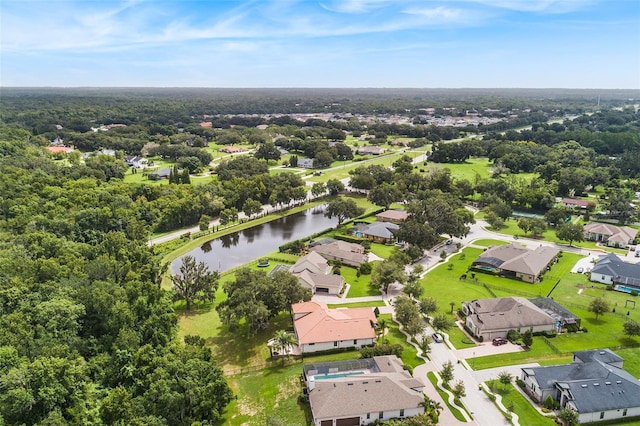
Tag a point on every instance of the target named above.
point(87, 336)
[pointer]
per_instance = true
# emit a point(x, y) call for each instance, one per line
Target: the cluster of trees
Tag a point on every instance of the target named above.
point(254, 297)
point(87, 336)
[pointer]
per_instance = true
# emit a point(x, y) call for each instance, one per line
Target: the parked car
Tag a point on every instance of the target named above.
point(499, 341)
point(437, 338)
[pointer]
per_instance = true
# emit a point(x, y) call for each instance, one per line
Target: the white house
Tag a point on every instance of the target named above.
point(318, 328)
point(623, 276)
point(594, 386)
point(360, 392)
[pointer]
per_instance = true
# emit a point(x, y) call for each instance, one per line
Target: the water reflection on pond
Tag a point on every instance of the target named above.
point(241, 247)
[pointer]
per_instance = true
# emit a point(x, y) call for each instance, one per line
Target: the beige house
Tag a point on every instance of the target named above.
point(318, 328)
point(613, 236)
point(314, 273)
point(517, 261)
point(393, 216)
point(491, 318)
point(360, 392)
point(351, 254)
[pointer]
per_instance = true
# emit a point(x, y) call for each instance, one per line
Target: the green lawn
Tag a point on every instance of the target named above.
point(371, 304)
point(342, 170)
point(459, 339)
point(359, 286)
point(489, 242)
point(468, 170)
point(394, 336)
point(512, 398)
point(456, 413)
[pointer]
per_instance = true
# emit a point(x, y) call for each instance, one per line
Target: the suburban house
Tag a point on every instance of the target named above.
point(351, 254)
point(136, 162)
point(230, 149)
point(613, 236)
point(374, 150)
point(393, 216)
point(306, 163)
point(487, 319)
point(514, 260)
point(575, 203)
point(160, 174)
point(380, 232)
point(623, 276)
point(360, 392)
point(594, 386)
point(318, 328)
point(314, 273)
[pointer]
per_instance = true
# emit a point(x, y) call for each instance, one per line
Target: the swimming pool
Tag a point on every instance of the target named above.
point(625, 289)
point(337, 376)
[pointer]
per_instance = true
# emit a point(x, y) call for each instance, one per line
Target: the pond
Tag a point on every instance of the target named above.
point(230, 251)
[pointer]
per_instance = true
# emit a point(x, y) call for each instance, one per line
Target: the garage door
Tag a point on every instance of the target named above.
point(322, 290)
point(350, 421)
point(326, 423)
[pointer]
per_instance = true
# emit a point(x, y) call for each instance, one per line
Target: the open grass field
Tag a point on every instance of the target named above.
point(341, 168)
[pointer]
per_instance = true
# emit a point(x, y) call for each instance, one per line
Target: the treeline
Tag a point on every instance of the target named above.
point(87, 336)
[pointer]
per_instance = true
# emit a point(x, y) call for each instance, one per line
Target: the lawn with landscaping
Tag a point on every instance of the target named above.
point(515, 402)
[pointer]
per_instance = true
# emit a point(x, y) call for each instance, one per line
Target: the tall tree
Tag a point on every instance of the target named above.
point(386, 273)
point(195, 282)
point(283, 341)
point(570, 232)
point(599, 306)
point(343, 209)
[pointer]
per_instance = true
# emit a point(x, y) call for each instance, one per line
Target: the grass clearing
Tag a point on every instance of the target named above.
point(514, 400)
point(456, 413)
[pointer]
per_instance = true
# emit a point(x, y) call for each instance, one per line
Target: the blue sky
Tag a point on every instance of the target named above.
point(326, 43)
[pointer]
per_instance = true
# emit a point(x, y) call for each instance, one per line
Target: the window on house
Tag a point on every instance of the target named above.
point(368, 416)
point(402, 412)
point(602, 414)
point(311, 344)
point(335, 343)
point(381, 414)
point(355, 341)
point(624, 412)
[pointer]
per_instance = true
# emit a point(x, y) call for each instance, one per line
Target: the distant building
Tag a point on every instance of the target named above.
point(160, 174)
point(306, 163)
point(136, 162)
point(393, 216)
point(373, 150)
point(578, 204)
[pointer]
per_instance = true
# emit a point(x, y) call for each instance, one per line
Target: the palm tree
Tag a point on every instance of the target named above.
point(282, 341)
point(431, 407)
point(381, 326)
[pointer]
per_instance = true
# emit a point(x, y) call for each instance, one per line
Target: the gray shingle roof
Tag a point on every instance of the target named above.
point(622, 272)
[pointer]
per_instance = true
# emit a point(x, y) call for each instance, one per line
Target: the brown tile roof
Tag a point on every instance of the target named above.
point(398, 215)
point(341, 249)
point(621, 234)
point(315, 323)
point(507, 313)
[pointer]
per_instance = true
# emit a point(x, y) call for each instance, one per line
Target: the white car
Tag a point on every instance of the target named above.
point(437, 338)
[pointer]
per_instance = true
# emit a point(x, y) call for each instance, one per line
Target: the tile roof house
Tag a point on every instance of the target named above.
point(380, 232)
point(613, 236)
point(490, 318)
point(360, 392)
point(351, 254)
point(575, 203)
point(623, 276)
point(393, 216)
point(136, 162)
point(516, 261)
point(314, 273)
point(319, 328)
point(594, 386)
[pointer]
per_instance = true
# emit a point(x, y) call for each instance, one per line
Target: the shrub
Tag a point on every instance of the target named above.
point(365, 268)
point(549, 403)
point(293, 247)
point(383, 349)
